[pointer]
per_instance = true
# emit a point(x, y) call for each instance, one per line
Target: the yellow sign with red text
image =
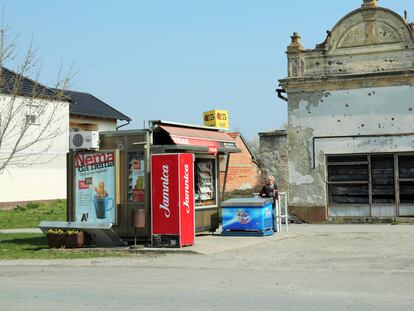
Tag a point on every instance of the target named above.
point(216, 118)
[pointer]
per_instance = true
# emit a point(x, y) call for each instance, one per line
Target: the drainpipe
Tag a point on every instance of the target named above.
point(279, 92)
point(225, 177)
point(122, 125)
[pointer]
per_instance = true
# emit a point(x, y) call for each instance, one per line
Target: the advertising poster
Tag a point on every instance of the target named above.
point(95, 187)
point(137, 178)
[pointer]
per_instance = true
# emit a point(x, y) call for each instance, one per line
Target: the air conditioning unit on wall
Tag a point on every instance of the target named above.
point(84, 140)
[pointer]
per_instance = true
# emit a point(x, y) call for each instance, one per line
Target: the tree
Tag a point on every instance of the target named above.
point(254, 145)
point(30, 113)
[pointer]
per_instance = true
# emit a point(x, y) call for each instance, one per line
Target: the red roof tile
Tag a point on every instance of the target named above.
point(234, 135)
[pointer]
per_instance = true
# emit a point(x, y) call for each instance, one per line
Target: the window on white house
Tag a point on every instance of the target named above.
point(32, 115)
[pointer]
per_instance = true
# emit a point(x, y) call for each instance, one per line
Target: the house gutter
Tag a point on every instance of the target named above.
point(122, 125)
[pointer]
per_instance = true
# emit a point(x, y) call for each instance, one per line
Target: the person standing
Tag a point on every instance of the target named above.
point(269, 190)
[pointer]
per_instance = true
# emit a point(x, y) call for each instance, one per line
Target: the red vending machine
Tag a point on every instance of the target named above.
point(172, 200)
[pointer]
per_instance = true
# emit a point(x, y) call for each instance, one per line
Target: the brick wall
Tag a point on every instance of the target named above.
point(243, 172)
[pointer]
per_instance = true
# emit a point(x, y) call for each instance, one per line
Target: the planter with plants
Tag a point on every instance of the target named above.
point(65, 238)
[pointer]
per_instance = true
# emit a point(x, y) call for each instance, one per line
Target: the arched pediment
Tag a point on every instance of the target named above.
point(381, 34)
point(370, 40)
point(369, 27)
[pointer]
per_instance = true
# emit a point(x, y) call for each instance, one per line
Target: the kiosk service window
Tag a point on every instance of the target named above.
point(205, 182)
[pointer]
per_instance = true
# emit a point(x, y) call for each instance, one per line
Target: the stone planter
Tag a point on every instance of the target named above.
point(66, 240)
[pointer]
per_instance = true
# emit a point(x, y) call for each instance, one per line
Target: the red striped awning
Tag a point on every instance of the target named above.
point(212, 139)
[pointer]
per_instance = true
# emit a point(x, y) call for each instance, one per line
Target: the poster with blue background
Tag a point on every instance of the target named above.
point(95, 187)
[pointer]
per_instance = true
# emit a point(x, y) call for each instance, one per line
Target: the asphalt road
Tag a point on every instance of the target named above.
point(320, 268)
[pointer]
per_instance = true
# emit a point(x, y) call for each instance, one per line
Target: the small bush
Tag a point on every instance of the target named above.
point(20, 208)
point(50, 212)
point(32, 206)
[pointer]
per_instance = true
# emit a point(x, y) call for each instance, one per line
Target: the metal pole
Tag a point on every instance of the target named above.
point(69, 186)
point(279, 207)
point(282, 213)
point(287, 213)
point(225, 177)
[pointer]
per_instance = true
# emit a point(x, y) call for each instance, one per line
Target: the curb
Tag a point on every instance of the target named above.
point(164, 251)
point(128, 249)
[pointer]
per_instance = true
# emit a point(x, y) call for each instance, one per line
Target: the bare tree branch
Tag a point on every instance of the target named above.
point(31, 115)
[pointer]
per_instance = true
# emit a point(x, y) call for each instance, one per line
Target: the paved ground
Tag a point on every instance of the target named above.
point(330, 267)
point(30, 230)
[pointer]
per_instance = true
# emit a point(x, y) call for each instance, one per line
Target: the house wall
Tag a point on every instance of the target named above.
point(319, 115)
point(92, 124)
point(243, 172)
point(39, 172)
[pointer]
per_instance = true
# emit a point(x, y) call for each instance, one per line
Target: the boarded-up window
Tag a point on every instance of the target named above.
point(348, 179)
point(370, 179)
point(406, 176)
point(383, 181)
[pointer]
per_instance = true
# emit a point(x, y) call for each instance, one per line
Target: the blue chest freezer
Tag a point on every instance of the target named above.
point(249, 216)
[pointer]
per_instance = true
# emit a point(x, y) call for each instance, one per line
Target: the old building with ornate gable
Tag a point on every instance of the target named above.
point(351, 118)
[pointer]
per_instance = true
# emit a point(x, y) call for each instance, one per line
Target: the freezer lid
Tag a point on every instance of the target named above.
point(252, 202)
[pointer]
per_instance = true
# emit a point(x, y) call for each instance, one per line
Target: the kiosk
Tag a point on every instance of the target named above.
point(113, 184)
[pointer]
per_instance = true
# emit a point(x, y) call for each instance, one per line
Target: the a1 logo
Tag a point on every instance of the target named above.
point(85, 217)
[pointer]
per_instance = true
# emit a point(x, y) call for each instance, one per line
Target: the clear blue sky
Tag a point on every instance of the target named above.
point(174, 59)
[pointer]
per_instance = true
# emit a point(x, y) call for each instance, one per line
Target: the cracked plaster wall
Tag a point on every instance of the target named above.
point(274, 158)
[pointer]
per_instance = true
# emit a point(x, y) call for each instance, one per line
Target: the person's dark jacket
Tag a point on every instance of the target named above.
point(268, 191)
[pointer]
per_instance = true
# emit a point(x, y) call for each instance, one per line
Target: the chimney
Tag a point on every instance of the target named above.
point(370, 4)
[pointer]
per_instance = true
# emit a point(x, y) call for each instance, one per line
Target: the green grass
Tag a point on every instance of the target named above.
point(30, 215)
point(34, 246)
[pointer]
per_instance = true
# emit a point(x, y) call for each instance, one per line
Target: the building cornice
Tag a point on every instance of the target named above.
point(368, 80)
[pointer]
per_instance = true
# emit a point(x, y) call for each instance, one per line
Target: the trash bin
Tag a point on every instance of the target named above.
point(247, 217)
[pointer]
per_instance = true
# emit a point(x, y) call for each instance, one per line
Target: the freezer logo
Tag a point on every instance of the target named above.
point(186, 202)
point(268, 212)
point(243, 217)
point(165, 178)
